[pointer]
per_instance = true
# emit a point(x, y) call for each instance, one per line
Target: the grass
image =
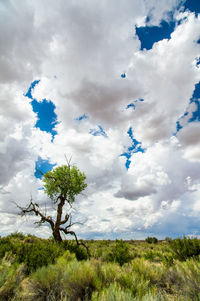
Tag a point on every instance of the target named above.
point(144, 272)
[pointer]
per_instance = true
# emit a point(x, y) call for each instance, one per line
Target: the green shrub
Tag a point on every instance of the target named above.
point(183, 279)
point(168, 260)
point(79, 251)
point(116, 293)
point(105, 243)
point(99, 252)
point(11, 274)
point(168, 239)
point(67, 279)
point(37, 254)
point(125, 277)
point(190, 276)
point(149, 255)
point(151, 240)
point(47, 282)
point(158, 296)
point(17, 235)
point(44, 284)
point(185, 248)
point(65, 258)
point(129, 280)
point(81, 280)
point(107, 272)
point(5, 246)
point(120, 253)
point(113, 293)
point(149, 271)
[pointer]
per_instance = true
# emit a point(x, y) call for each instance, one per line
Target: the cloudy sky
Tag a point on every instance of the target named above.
point(114, 84)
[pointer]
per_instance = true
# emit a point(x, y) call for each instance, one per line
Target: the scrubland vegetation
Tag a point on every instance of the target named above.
point(39, 269)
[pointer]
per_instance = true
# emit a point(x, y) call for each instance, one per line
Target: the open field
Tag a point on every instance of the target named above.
point(39, 269)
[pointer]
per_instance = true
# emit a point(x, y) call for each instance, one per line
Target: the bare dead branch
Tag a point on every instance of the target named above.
point(68, 160)
point(77, 241)
point(33, 208)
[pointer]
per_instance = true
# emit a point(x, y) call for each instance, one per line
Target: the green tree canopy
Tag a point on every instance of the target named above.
point(64, 182)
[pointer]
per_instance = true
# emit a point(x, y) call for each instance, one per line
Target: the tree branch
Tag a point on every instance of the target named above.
point(65, 220)
point(70, 232)
point(66, 231)
point(78, 242)
point(35, 208)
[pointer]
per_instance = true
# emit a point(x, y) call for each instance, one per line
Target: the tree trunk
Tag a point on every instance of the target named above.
point(57, 236)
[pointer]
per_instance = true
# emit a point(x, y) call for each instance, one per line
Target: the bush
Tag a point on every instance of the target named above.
point(149, 255)
point(168, 260)
point(37, 254)
point(129, 280)
point(183, 279)
point(122, 280)
point(185, 248)
point(47, 282)
point(44, 284)
point(68, 279)
point(113, 293)
point(10, 277)
point(120, 253)
point(17, 235)
point(81, 280)
point(168, 239)
point(151, 240)
point(149, 271)
point(5, 246)
point(107, 272)
point(79, 251)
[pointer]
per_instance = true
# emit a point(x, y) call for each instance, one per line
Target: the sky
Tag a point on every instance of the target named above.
point(114, 86)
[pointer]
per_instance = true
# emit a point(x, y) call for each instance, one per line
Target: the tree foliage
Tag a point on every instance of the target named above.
point(64, 182)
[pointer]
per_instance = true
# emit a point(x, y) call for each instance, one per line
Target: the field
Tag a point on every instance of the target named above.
point(39, 269)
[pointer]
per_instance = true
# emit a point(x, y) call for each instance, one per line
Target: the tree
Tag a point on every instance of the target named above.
point(61, 185)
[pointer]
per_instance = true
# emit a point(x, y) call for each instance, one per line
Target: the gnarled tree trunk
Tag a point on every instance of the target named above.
point(57, 236)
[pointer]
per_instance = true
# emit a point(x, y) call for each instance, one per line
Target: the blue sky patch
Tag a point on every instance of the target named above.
point(99, 132)
point(178, 123)
point(178, 127)
point(196, 114)
point(148, 35)
point(45, 110)
point(41, 167)
point(84, 116)
point(196, 99)
point(32, 86)
point(196, 93)
point(197, 62)
point(134, 148)
point(47, 119)
point(132, 104)
point(193, 6)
